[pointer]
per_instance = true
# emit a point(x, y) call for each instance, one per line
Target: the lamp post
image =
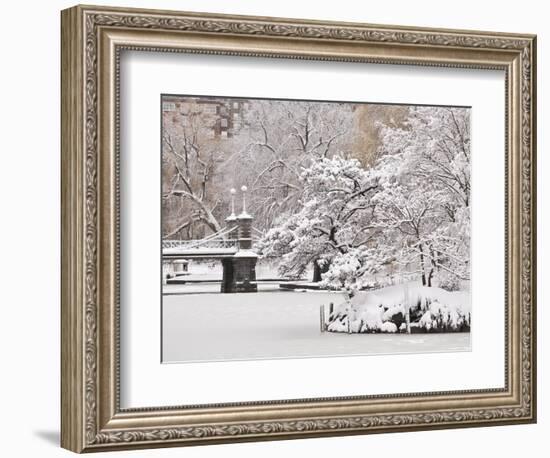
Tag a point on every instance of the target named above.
point(244, 221)
point(231, 220)
point(233, 191)
point(244, 189)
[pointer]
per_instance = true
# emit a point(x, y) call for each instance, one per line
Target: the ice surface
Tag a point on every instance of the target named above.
point(274, 324)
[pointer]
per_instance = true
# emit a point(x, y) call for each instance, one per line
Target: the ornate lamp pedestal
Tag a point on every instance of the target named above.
point(239, 275)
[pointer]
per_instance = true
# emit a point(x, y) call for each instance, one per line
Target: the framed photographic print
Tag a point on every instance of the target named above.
point(278, 228)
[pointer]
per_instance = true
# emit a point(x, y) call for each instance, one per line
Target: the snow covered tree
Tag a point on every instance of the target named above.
point(409, 215)
point(285, 138)
point(426, 192)
point(408, 212)
point(195, 161)
point(433, 145)
point(334, 219)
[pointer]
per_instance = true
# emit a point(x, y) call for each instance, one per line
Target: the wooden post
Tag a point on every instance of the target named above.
point(322, 318)
point(407, 304)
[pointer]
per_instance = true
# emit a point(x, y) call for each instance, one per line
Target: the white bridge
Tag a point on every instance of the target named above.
point(232, 245)
point(222, 244)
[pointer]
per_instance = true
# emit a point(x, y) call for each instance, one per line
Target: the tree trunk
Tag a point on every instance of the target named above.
point(209, 219)
point(318, 271)
point(431, 274)
point(433, 264)
point(421, 249)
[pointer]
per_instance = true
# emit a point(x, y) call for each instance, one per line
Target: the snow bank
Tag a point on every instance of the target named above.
point(430, 309)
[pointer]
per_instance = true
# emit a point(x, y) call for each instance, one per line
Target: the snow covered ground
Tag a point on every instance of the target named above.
point(384, 309)
point(272, 324)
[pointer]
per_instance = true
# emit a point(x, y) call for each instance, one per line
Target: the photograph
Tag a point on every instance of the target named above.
point(310, 228)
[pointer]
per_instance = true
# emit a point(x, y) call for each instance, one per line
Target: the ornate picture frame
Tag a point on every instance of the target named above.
point(92, 41)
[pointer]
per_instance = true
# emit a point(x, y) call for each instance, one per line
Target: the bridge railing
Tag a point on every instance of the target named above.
point(192, 244)
point(213, 241)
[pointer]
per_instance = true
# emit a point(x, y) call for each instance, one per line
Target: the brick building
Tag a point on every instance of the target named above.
point(225, 117)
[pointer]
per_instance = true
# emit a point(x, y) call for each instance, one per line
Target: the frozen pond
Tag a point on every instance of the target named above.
point(272, 324)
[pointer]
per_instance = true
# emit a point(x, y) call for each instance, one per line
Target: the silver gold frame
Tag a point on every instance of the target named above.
point(92, 40)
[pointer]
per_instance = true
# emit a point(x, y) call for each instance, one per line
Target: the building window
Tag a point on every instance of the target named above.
point(168, 106)
point(223, 122)
point(209, 108)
